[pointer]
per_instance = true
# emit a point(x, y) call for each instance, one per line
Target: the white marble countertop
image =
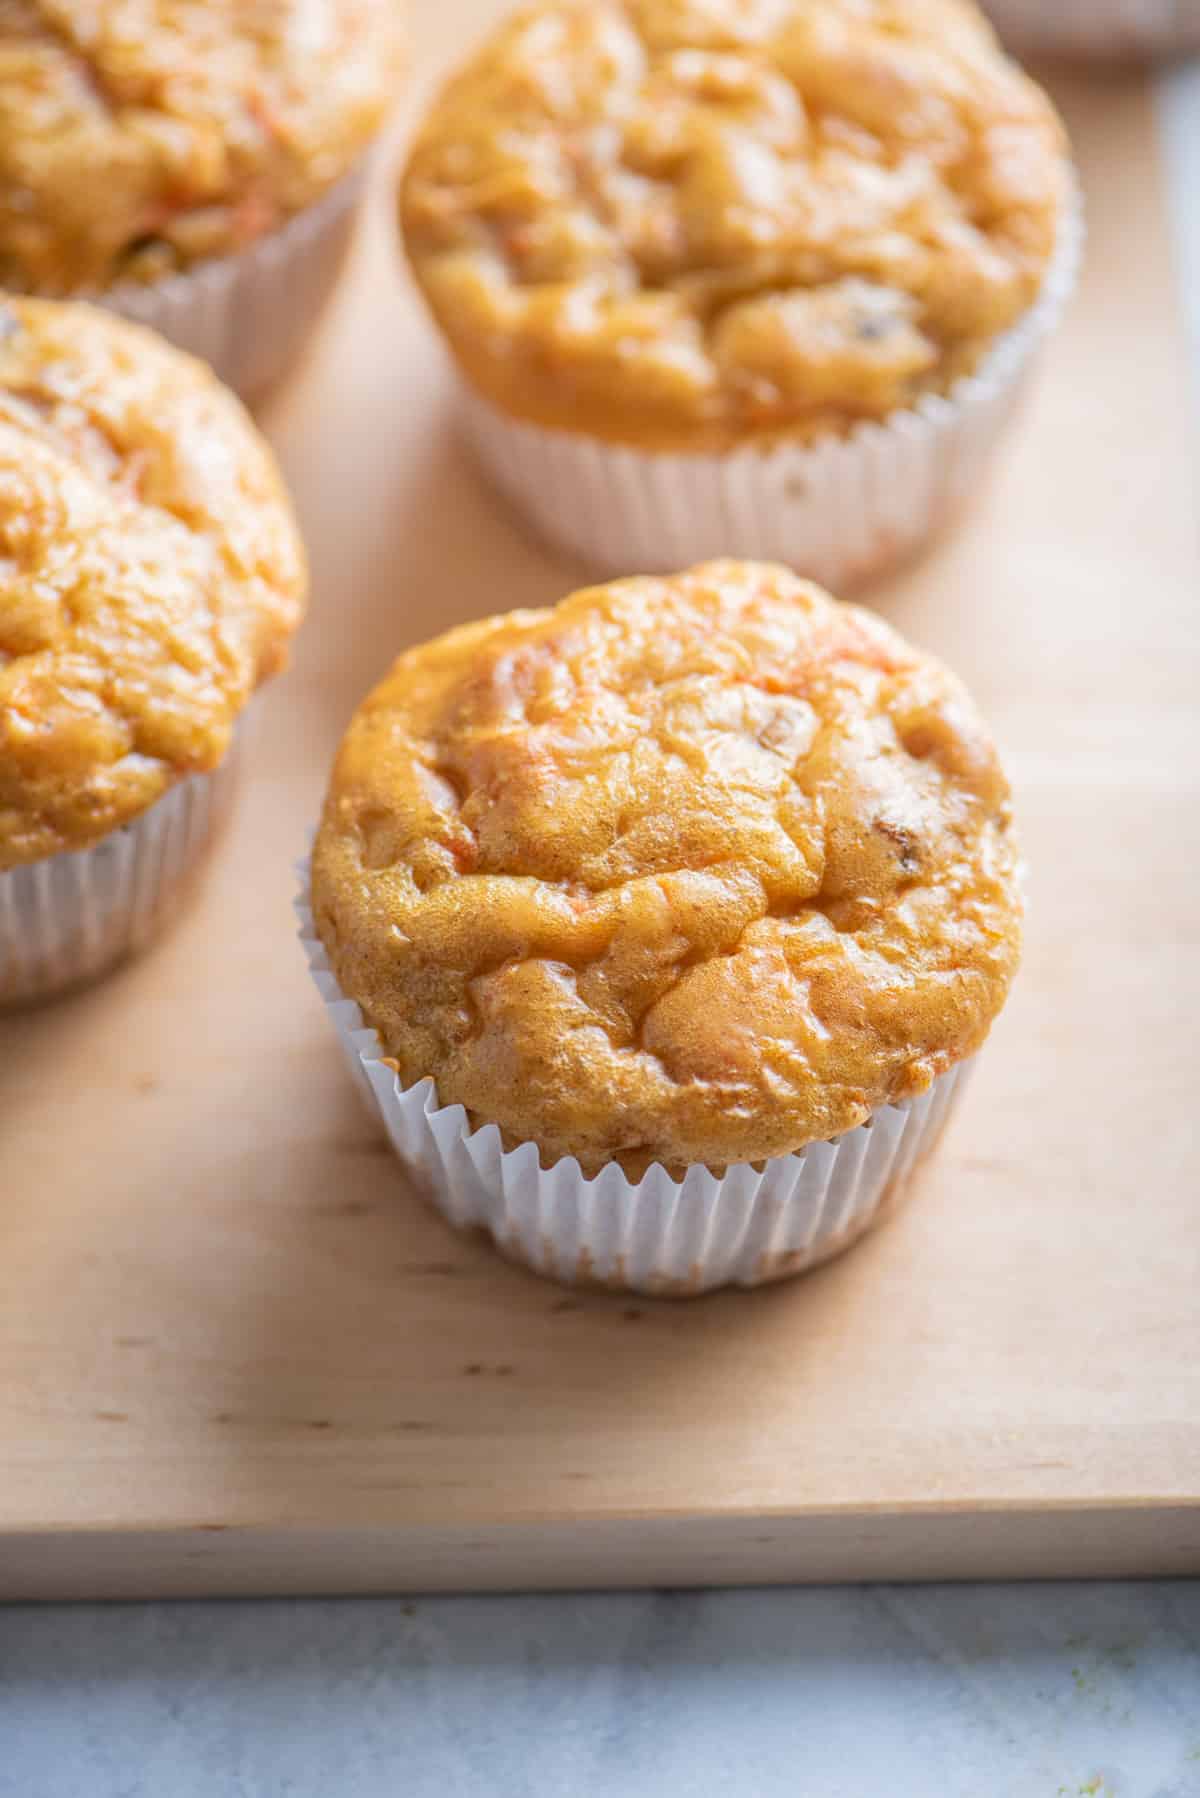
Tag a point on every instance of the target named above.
point(1087, 1691)
point(937, 1692)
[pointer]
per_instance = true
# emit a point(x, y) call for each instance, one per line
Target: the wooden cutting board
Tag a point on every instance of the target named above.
point(238, 1355)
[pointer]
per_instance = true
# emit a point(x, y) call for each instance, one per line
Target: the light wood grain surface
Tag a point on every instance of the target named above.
point(236, 1354)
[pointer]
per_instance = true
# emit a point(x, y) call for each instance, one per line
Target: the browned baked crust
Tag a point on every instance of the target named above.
point(686, 870)
point(139, 137)
point(680, 224)
point(150, 572)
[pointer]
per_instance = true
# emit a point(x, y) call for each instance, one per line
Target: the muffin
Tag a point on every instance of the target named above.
point(662, 926)
point(726, 277)
point(193, 164)
point(1110, 30)
point(150, 577)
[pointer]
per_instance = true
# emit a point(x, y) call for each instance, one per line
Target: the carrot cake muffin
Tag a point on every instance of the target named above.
point(150, 577)
point(683, 875)
point(684, 251)
point(146, 142)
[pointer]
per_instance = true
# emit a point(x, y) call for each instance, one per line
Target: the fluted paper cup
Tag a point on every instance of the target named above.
point(68, 919)
point(747, 1227)
point(250, 314)
point(1108, 29)
point(838, 511)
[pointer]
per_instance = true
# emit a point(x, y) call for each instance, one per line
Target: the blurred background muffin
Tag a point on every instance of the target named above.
point(662, 926)
point(752, 278)
point(151, 577)
point(193, 164)
point(1103, 30)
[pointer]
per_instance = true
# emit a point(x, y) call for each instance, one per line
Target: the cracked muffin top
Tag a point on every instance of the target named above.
point(138, 137)
point(682, 223)
point(150, 572)
point(685, 870)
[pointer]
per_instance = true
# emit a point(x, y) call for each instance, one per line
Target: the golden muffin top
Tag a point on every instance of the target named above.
point(150, 572)
point(687, 870)
point(138, 137)
point(682, 223)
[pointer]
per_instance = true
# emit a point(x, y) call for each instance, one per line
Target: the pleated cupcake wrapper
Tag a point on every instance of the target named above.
point(69, 918)
point(250, 313)
point(658, 1235)
point(837, 511)
point(1100, 28)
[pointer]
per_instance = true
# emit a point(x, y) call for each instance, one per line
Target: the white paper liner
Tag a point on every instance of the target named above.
point(837, 511)
point(751, 1226)
point(1098, 28)
point(69, 918)
point(249, 314)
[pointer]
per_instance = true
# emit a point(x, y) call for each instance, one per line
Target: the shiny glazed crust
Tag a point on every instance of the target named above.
point(139, 137)
point(687, 870)
point(682, 224)
point(150, 572)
